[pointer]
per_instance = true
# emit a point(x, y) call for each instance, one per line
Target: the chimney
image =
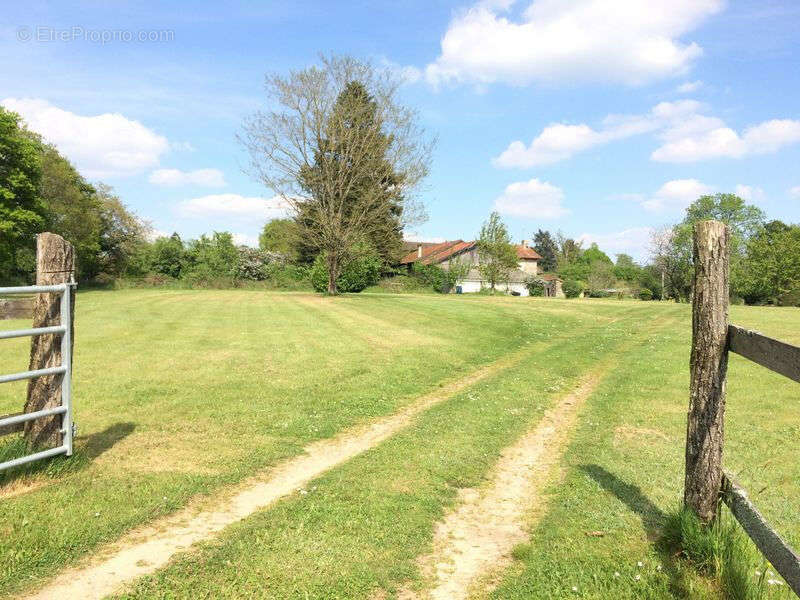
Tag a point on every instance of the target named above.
point(525, 243)
point(419, 250)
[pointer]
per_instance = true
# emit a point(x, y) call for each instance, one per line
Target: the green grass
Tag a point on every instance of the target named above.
point(180, 393)
point(624, 477)
point(361, 527)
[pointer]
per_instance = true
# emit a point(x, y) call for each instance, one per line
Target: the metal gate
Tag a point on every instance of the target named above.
point(65, 368)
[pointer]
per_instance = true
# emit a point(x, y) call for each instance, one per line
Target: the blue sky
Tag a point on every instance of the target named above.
point(599, 118)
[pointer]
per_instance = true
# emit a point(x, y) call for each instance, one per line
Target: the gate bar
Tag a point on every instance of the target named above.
point(32, 374)
point(15, 333)
point(32, 457)
point(23, 417)
point(34, 289)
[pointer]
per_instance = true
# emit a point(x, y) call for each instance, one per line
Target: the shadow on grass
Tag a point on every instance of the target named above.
point(653, 520)
point(86, 450)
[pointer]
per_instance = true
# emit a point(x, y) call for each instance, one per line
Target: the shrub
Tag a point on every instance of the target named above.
point(645, 294)
point(360, 270)
point(572, 288)
point(535, 286)
point(251, 264)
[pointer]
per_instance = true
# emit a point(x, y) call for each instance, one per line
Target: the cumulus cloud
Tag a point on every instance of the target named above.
point(616, 41)
point(633, 241)
point(559, 141)
point(750, 193)
point(676, 195)
point(100, 146)
point(532, 199)
point(686, 134)
point(154, 234)
point(689, 87)
point(705, 138)
point(176, 177)
point(234, 207)
point(243, 239)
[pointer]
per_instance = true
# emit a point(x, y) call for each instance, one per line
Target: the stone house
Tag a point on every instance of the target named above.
point(444, 253)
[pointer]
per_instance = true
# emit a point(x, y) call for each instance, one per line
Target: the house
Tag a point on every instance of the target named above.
point(444, 253)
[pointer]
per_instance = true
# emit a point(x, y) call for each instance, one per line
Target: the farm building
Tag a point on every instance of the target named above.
point(444, 253)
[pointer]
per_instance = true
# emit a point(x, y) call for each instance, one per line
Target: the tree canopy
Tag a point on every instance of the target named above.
point(496, 254)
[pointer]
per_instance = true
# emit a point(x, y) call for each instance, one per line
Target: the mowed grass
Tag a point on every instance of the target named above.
point(357, 531)
point(601, 537)
point(179, 393)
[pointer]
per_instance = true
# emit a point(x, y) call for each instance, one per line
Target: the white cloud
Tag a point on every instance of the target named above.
point(618, 41)
point(704, 138)
point(689, 87)
point(633, 241)
point(234, 206)
point(243, 239)
point(176, 177)
point(559, 141)
point(676, 195)
point(532, 199)
point(795, 191)
point(685, 133)
point(154, 234)
point(100, 146)
point(750, 193)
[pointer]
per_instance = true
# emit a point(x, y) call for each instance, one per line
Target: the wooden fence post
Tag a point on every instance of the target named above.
point(55, 263)
point(709, 364)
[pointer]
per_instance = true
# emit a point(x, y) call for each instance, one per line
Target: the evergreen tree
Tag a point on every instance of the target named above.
point(547, 248)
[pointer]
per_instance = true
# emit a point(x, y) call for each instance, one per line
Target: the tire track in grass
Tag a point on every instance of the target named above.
point(145, 550)
point(476, 539)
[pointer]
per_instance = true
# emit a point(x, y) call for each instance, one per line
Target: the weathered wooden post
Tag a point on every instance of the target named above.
point(55, 263)
point(709, 364)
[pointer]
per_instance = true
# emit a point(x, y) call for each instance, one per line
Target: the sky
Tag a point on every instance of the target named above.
point(602, 119)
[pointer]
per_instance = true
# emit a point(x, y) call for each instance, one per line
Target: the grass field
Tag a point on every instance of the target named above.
point(181, 395)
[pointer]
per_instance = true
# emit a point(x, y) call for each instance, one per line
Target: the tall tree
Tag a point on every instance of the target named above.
point(743, 219)
point(547, 248)
point(343, 153)
point(496, 255)
point(771, 271)
point(22, 213)
point(281, 236)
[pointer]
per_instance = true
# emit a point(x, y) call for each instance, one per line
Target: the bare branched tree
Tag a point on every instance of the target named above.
point(342, 151)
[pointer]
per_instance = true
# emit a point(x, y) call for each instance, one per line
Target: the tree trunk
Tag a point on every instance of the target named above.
point(709, 363)
point(333, 272)
point(55, 263)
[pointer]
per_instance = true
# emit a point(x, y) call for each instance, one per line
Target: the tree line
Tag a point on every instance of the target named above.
point(40, 190)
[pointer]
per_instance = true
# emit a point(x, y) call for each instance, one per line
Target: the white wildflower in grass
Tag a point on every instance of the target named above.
point(616, 573)
point(758, 573)
point(640, 564)
point(574, 588)
point(774, 582)
point(658, 568)
point(638, 577)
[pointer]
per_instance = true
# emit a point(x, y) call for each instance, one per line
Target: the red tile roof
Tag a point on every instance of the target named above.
point(436, 253)
point(528, 253)
point(426, 251)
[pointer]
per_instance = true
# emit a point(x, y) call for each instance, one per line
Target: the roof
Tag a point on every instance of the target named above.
point(525, 252)
point(436, 253)
point(548, 277)
point(408, 246)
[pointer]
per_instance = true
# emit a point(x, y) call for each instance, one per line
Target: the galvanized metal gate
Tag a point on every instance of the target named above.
point(65, 368)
